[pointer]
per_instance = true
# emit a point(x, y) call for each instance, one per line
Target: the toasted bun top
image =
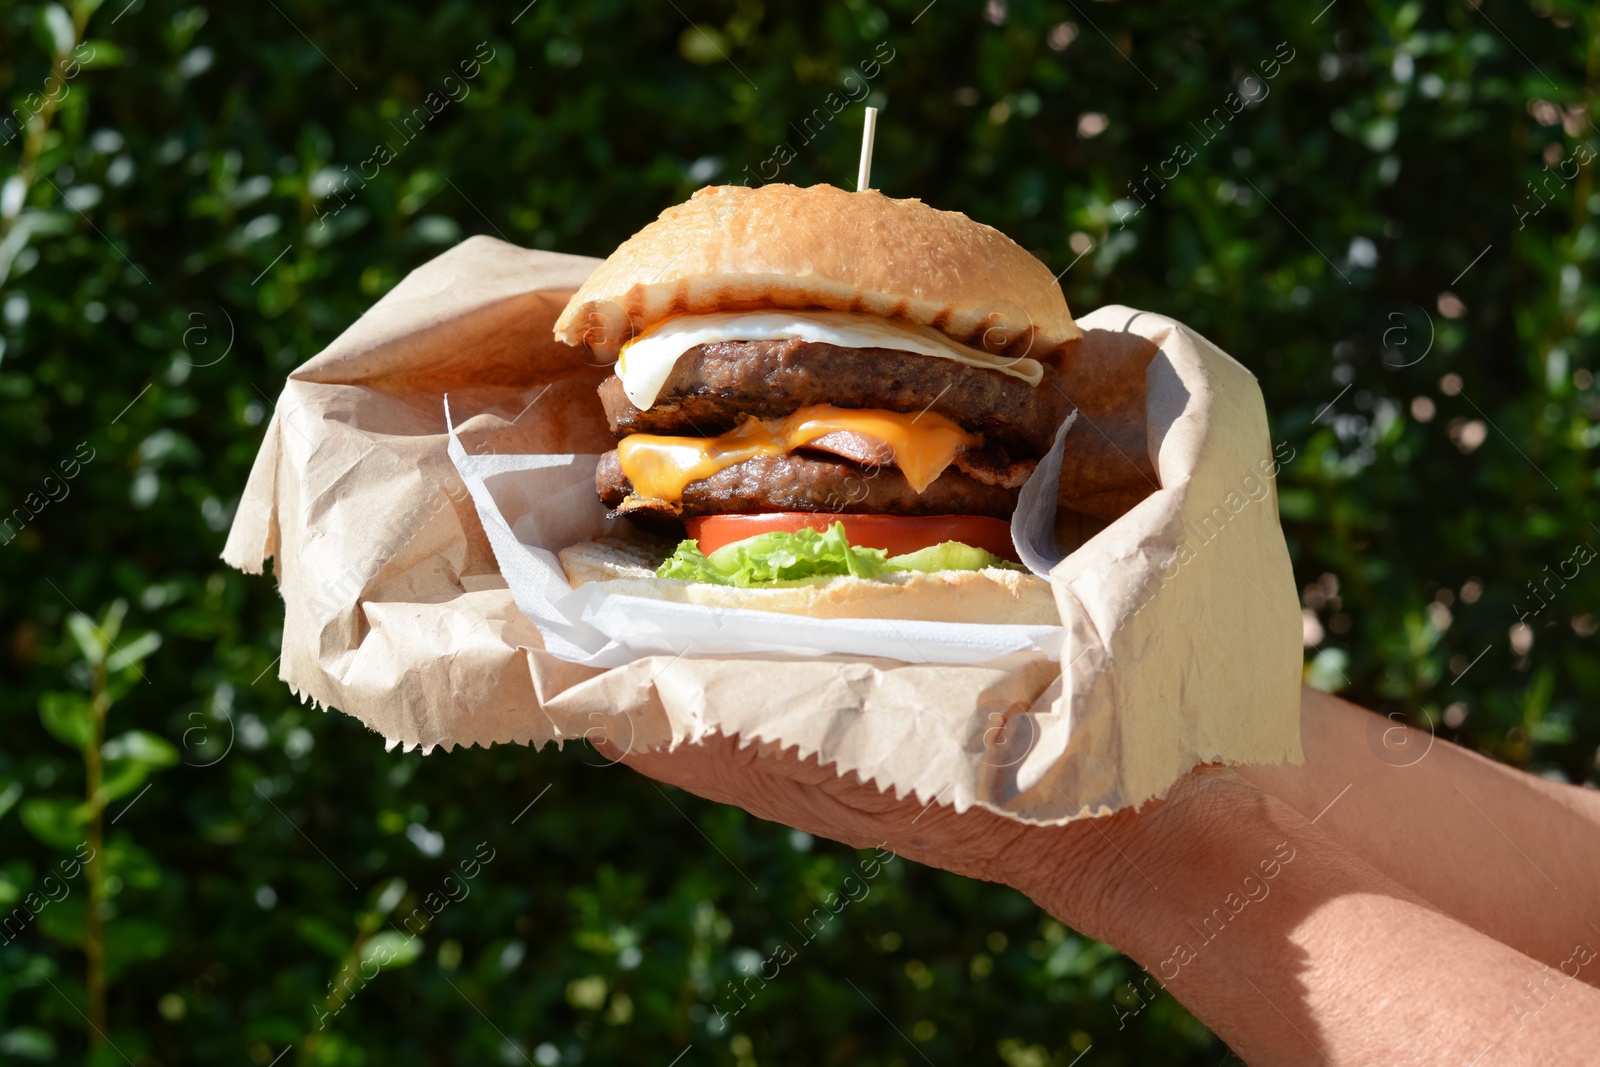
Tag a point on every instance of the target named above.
point(733, 248)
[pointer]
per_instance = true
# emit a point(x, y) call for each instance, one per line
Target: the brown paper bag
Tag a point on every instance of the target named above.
point(1181, 633)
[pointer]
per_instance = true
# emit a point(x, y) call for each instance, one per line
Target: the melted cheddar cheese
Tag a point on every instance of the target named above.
point(660, 467)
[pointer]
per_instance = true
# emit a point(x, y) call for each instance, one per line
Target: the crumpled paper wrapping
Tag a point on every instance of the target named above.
point(1181, 628)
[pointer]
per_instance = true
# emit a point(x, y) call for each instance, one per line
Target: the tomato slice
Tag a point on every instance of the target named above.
point(895, 534)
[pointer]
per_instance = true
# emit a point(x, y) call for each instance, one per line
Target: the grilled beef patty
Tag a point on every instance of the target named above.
point(810, 481)
point(713, 386)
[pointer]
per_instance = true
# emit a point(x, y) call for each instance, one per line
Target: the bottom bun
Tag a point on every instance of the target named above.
point(993, 595)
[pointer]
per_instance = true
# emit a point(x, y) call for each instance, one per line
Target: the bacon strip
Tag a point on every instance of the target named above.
point(856, 447)
point(990, 464)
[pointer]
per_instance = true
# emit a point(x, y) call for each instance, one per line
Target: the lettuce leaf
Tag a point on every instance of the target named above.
point(771, 558)
point(774, 557)
point(948, 556)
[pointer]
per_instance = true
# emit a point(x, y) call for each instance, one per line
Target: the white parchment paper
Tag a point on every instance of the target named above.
point(533, 506)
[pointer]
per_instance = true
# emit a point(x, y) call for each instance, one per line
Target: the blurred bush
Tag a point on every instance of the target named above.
point(1386, 212)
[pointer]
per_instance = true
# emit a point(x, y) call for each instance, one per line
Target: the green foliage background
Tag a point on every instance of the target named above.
point(167, 203)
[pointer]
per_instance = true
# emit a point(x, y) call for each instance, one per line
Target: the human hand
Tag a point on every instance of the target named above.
point(1079, 872)
point(1285, 966)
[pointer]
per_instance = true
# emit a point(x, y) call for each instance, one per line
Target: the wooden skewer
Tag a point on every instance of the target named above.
point(868, 129)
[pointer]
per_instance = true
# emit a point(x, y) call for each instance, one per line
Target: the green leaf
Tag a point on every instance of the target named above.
point(100, 53)
point(130, 940)
point(89, 639)
point(64, 920)
point(141, 746)
point(130, 758)
point(15, 878)
point(120, 685)
point(135, 866)
point(56, 25)
point(133, 652)
point(390, 949)
point(1327, 671)
point(69, 717)
point(1298, 505)
point(82, 9)
point(111, 621)
point(28, 1043)
point(322, 936)
point(121, 778)
point(949, 556)
point(387, 896)
point(46, 223)
point(9, 795)
point(1553, 730)
point(774, 557)
point(56, 821)
point(1379, 134)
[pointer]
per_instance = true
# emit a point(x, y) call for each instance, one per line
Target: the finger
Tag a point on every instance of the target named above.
point(727, 751)
point(718, 758)
point(815, 798)
point(719, 770)
point(722, 769)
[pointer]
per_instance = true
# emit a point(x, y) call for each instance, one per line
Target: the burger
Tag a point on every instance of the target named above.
point(825, 402)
